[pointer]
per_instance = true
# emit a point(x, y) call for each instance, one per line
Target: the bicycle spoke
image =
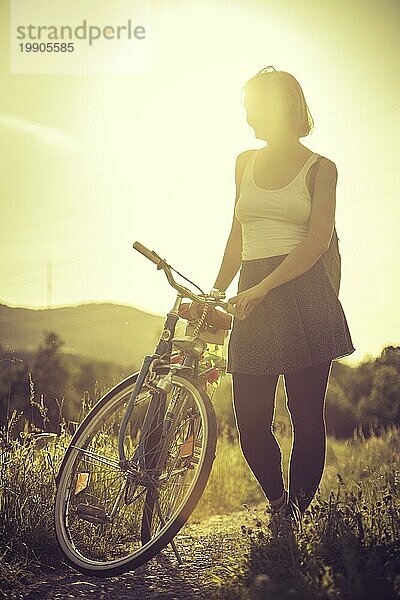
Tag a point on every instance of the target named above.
point(99, 457)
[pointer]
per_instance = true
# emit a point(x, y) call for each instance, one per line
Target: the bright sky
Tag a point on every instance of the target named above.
point(91, 163)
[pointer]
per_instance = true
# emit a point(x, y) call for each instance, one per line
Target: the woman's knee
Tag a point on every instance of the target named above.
point(306, 391)
point(254, 398)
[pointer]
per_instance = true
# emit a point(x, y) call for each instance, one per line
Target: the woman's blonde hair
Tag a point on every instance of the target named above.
point(300, 113)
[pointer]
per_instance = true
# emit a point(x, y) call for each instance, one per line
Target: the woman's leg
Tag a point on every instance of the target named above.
point(254, 403)
point(305, 393)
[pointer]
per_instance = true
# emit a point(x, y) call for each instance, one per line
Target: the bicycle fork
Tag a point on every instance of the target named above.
point(156, 404)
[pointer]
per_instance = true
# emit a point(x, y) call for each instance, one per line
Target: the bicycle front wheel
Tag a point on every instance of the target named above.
point(109, 520)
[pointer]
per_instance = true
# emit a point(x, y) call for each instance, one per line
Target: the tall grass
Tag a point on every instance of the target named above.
point(372, 460)
point(27, 485)
point(351, 528)
point(347, 545)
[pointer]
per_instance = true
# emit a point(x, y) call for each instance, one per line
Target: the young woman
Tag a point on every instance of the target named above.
point(291, 320)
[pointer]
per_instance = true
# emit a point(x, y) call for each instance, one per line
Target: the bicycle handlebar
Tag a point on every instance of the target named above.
point(162, 264)
point(150, 254)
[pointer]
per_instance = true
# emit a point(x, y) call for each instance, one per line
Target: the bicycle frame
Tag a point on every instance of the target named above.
point(164, 347)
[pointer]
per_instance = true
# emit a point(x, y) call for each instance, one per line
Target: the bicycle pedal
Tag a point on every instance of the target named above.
point(92, 514)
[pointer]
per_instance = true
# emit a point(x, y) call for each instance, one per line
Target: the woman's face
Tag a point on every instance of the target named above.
point(267, 110)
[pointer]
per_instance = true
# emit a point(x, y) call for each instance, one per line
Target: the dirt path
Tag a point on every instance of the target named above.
point(213, 552)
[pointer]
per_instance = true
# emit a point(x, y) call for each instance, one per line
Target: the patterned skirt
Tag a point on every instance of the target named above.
point(295, 326)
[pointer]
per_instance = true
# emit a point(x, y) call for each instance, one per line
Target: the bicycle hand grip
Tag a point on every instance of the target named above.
point(150, 254)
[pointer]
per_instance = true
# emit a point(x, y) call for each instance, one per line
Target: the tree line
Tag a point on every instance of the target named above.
point(45, 388)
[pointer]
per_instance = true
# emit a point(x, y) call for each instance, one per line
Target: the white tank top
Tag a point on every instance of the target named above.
point(273, 221)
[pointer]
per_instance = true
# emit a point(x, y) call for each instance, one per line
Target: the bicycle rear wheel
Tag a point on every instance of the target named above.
point(109, 520)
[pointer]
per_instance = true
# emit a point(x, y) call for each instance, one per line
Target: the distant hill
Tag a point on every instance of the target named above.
point(104, 331)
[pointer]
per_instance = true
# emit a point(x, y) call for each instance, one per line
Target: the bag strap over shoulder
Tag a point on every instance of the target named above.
point(314, 168)
point(332, 255)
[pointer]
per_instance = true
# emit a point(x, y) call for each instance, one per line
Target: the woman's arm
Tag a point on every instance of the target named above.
point(232, 258)
point(322, 222)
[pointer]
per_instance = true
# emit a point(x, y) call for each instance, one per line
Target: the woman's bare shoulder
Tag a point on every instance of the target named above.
point(247, 152)
point(244, 156)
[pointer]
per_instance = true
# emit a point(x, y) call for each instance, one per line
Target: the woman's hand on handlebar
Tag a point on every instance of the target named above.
point(246, 300)
point(217, 294)
point(235, 311)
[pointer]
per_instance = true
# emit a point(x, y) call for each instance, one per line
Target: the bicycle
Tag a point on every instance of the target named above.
point(138, 463)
